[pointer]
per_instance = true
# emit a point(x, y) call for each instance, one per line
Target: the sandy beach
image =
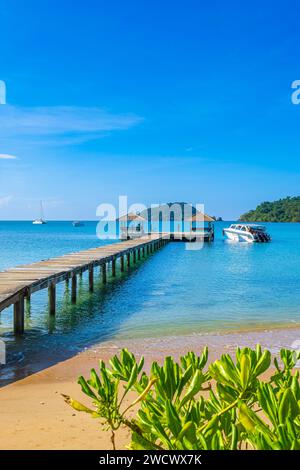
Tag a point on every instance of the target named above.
point(33, 412)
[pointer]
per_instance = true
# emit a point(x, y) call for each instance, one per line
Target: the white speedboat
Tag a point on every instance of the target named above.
point(250, 233)
point(40, 220)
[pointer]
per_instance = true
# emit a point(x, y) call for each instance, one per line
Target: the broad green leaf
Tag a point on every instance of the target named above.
point(245, 370)
point(288, 407)
point(193, 389)
point(172, 419)
point(263, 363)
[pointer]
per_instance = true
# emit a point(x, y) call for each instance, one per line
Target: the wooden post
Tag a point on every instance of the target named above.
point(103, 269)
point(122, 263)
point(128, 259)
point(28, 296)
point(74, 288)
point(139, 254)
point(134, 256)
point(52, 298)
point(148, 249)
point(19, 316)
point(143, 251)
point(113, 267)
point(91, 278)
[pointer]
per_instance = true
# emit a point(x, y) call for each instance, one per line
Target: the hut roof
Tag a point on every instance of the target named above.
point(130, 217)
point(199, 217)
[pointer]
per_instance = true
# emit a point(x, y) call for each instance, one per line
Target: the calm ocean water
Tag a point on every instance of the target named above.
point(223, 287)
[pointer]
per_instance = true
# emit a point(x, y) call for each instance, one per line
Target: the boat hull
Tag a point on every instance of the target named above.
point(39, 222)
point(239, 236)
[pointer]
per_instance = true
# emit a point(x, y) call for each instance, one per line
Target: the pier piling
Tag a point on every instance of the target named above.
point(52, 298)
point(103, 269)
point(113, 267)
point(91, 278)
point(19, 316)
point(74, 288)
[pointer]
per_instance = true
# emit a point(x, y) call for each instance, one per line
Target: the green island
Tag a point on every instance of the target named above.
point(283, 210)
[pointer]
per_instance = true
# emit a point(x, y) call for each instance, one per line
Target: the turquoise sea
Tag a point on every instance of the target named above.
point(223, 287)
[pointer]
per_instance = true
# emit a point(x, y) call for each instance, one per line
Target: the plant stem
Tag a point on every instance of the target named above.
point(229, 407)
point(113, 439)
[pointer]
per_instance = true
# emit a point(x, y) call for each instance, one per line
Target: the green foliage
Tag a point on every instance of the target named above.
point(283, 210)
point(190, 405)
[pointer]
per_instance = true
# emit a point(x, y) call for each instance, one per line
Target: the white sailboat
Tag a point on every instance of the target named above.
point(40, 220)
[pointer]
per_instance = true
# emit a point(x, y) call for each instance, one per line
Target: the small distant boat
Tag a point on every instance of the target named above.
point(77, 223)
point(40, 220)
point(250, 233)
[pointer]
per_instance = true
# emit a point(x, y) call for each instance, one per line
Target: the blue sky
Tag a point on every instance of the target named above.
point(161, 101)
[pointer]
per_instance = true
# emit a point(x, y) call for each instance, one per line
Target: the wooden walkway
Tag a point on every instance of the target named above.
point(17, 284)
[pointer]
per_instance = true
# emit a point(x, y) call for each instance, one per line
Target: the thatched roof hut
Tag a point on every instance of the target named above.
point(200, 217)
point(131, 217)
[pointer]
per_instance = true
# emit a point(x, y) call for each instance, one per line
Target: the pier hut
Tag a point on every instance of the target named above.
point(132, 226)
point(202, 225)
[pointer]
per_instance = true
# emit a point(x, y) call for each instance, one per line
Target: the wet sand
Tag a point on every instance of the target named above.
point(34, 415)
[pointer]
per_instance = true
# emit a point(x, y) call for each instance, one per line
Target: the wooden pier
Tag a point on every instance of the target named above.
point(19, 283)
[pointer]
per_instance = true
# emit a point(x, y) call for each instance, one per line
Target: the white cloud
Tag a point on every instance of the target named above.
point(61, 121)
point(6, 156)
point(5, 200)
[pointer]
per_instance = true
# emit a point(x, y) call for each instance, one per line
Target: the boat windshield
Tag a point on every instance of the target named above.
point(257, 228)
point(248, 228)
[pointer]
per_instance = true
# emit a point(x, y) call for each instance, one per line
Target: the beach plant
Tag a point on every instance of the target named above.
point(191, 405)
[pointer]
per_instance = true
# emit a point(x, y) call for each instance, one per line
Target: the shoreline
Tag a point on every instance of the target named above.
point(34, 414)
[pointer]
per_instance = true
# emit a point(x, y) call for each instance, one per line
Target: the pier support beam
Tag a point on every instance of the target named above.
point(122, 263)
point(134, 256)
point(128, 260)
point(139, 254)
point(74, 288)
point(103, 270)
point(19, 316)
point(52, 298)
point(113, 267)
point(91, 278)
point(143, 251)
